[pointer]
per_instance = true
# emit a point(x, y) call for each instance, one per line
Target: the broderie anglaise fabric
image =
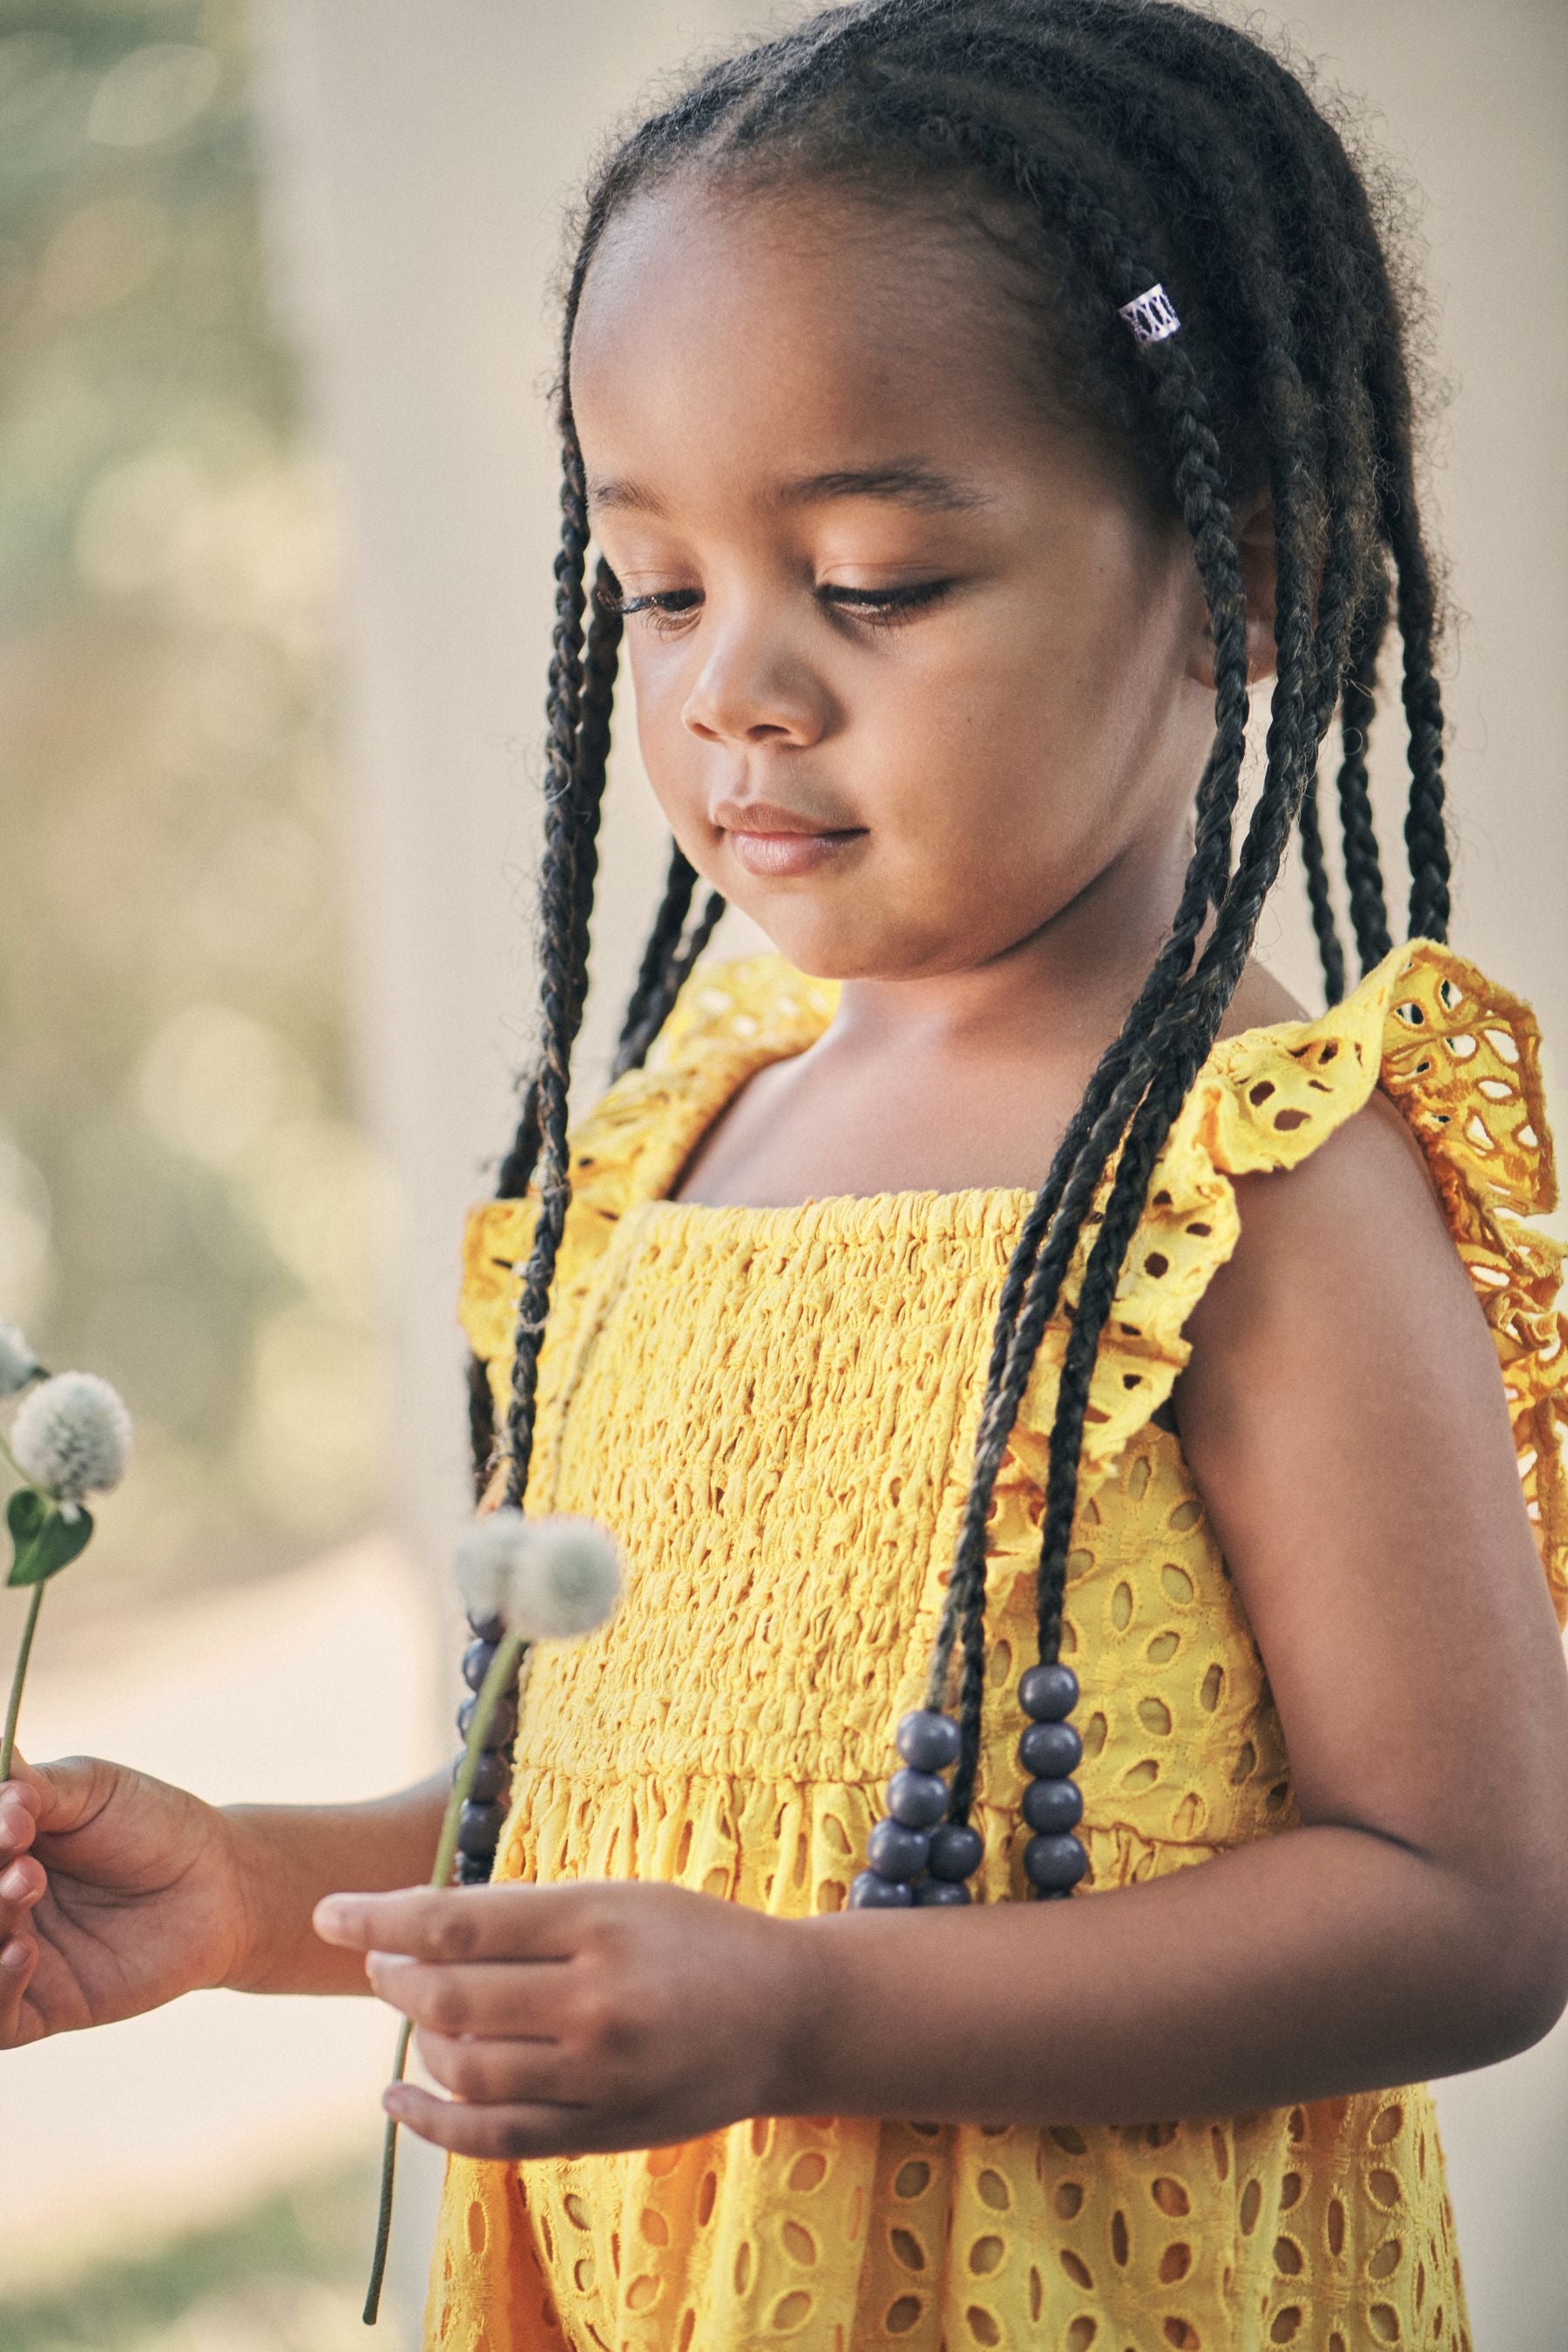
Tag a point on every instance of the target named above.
point(773, 1409)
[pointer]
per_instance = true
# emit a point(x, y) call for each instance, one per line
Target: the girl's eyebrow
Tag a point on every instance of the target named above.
point(907, 479)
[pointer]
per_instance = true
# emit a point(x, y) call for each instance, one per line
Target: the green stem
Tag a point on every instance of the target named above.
point(11, 1458)
point(501, 1671)
point(8, 1744)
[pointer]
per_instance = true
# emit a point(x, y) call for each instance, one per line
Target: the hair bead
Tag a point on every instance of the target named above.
point(928, 1741)
point(1053, 1865)
point(919, 1800)
point(1053, 1807)
point(477, 1660)
point(1047, 1692)
point(941, 1893)
point(1050, 1751)
point(956, 1851)
point(871, 1892)
point(895, 1852)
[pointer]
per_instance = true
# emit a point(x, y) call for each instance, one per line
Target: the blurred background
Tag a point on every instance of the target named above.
point(277, 516)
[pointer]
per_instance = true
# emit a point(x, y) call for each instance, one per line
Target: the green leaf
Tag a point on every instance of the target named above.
point(45, 1539)
point(25, 1513)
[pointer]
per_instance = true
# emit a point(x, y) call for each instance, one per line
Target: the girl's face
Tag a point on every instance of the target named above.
point(914, 665)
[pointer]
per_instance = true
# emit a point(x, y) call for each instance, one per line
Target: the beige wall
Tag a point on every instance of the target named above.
point(422, 152)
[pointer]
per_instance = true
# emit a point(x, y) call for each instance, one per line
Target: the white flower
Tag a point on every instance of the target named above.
point(550, 1580)
point(488, 1563)
point(571, 1579)
point(17, 1362)
point(72, 1437)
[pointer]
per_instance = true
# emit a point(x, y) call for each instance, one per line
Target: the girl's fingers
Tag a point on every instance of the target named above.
point(515, 1922)
point(498, 2072)
point(486, 1997)
point(20, 1803)
point(500, 2131)
point(18, 1956)
point(21, 1884)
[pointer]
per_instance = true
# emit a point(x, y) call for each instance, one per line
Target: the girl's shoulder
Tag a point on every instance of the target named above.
point(1458, 1056)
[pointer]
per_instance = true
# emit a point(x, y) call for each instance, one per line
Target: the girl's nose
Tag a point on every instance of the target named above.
point(749, 690)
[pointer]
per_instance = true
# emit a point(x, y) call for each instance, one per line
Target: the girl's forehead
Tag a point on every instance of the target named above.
point(791, 318)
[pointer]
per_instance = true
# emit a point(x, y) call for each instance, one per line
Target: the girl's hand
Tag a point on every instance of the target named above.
point(117, 1893)
point(573, 2018)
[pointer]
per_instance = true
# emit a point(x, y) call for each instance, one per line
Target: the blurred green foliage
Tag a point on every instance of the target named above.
point(285, 2275)
point(187, 1203)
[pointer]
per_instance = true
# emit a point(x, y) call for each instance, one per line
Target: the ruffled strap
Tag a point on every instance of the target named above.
point(730, 1017)
point(1461, 1057)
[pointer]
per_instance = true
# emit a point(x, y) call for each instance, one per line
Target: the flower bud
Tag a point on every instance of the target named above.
point(71, 1436)
point(488, 1562)
point(17, 1362)
point(571, 1579)
point(550, 1580)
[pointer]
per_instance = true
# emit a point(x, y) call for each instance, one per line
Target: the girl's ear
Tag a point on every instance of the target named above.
point(1255, 545)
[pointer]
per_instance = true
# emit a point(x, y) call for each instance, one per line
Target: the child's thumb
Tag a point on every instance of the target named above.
point(54, 1795)
point(29, 1782)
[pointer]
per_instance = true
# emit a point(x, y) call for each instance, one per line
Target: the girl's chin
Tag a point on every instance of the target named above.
point(825, 950)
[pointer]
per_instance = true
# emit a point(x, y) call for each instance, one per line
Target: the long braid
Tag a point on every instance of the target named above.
point(680, 882)
point(590, 760)
point(563, 974)
point(1388, 392)
point(1364, 875)
point(683, 953)
point(1331, 953)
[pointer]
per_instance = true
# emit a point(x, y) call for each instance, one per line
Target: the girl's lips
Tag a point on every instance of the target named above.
point(790, 853)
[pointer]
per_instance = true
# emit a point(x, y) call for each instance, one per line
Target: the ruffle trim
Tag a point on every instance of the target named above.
point(1457, 1054)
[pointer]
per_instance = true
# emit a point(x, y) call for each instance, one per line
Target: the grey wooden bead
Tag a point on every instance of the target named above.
point(869, 1893)
point(1050, 1751)
point(956, 1850)
point(1054, 1862)
point(1047, 1693)
point(478, 1827)
point(927, 1739)
point(895, 1852)
point(492, 1777)
point(474, 1869)
point(486, 1629)
point(919, 1800)
point(938, 1894)
point(502, 1723)
point(1053, 1806)
point(477, 1660)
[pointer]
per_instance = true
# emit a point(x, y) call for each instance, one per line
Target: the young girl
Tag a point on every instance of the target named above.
point(968, 399)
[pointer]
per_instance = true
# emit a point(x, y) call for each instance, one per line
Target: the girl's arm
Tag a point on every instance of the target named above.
point(119, 1892)
point(1344, 1417)
point(291, 1855)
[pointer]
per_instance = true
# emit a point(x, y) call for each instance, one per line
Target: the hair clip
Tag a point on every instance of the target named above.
point(1150, 316)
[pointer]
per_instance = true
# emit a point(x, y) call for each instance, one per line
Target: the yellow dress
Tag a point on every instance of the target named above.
point(775, 1410)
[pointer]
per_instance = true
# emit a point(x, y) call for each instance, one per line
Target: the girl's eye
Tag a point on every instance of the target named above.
point(663, 612)
point(665, 609)
point(884, 608)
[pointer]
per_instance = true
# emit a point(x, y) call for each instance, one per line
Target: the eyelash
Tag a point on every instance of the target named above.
point(885, 608)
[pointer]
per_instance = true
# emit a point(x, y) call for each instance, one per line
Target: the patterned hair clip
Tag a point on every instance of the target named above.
point(1150, 316)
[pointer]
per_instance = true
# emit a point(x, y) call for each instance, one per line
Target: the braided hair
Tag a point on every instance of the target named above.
point(1129, 141)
